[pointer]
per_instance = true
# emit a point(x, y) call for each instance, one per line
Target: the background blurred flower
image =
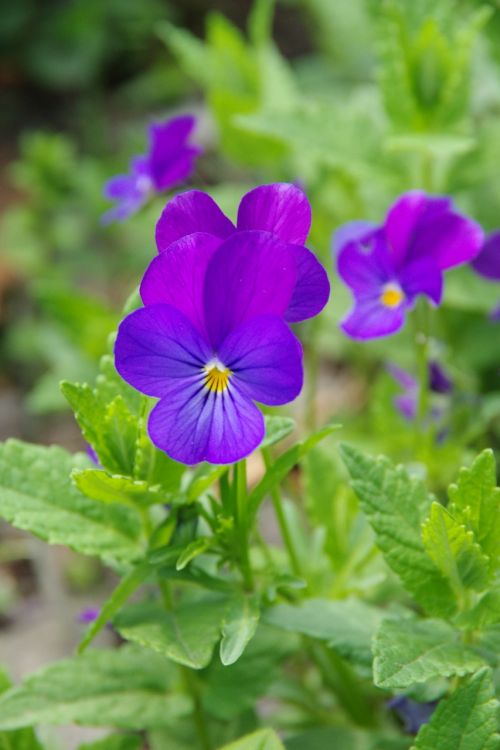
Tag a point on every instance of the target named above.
point(387, 267)
point(407, 402)
point(170, 161)
point(414, 715)
point(211, 341)
point(281, 209)
point(487, 263)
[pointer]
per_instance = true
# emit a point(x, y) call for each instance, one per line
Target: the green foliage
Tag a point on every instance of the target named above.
point(240, 623)
point(17, 739)
point(467, 719)
point(115, 742)
point(265, 739)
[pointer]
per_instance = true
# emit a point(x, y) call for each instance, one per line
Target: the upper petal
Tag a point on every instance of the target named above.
point(192, 424)
point(280, 208)
point(177, 278)
point(371, 319)
point(401, 221)
point(312, 288)
point(158, 344)
point(366, 268)
point(487, 263)
point(265, 359)
point(352, 231)
point(192, 211)
point(251, 274)
point(422, 276)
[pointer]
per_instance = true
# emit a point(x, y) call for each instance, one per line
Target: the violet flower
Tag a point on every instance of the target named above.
point(211, 341)
point(281, 209)
point(389, 266)
point(407, 402)
point(169, 161)
point(414, 715)
point(88, 615)
point(487, 263)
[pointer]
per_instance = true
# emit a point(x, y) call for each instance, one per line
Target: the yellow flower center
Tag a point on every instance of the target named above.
point(216, 377)
point(392, 295)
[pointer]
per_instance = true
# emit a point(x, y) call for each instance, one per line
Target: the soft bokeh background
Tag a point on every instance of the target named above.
point(356, 101)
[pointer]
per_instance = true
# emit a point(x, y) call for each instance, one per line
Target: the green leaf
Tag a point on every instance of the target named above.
point(240, 623)
point(347, 626)
point(283, 465)
point(409, 651)
point(113, 488)
point(346, 738)
point(37, 495)
point(475, 502)
point(454, 550)
point(115, 742)
point(277, 428)
point(485, 612)
point(129, 583)
point(187, 635)
point(128, 688)
point(203, 477)
point(198, 547)
point(265, 739)
point(18, 739)
point(396, 506)
point(467, 720)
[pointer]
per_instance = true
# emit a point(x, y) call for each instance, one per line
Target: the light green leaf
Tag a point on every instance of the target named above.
point(265, 739)
point(348, 626)
point(344, 738)
point(454, 550)
point(396, 506)
point(203, 477)
point(113, 488)
point(409, 651)
point(277, 428)
point(128, 688)
point(475, 502)
point(17, 739)
point(240, 623)
point(467, 720)
point(187, 635)
point(283, 465)
point(485, 612)
point(115, 742)
point(198, 547)
point(36, 494)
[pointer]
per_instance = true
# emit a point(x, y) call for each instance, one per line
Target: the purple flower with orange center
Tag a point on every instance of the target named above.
point(281, 209)
point(169, 161)
point(211, 341)
point(389, 266)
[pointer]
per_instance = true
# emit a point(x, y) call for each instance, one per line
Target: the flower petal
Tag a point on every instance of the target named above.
point(422, 276)
point(265, 359)
point(156, 344)
point(177, 278)
point(352, 231)
point(401, 221)
point(192, 424)
point(487, 263)
point(251, 274)
point(280, 208)
point(370, 319)
point(190, 212)
point(312, 288)
point(366, 269)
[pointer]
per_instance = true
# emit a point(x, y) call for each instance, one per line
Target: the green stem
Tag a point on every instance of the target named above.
point(240, 491)
point(198, 712)
point(311, 357)
point(277, 501)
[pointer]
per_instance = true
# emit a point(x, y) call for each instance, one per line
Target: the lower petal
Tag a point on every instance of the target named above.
point(370, 319)
point(312, 287)
point(192, 424)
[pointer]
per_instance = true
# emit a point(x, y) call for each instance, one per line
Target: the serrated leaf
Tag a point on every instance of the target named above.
point(115, 742)
point(409, 651)
point(277, 428)
point(198, 547)
point(187, 635)
point(485, 612)
point(467, 720)
point(396, 506)
point(17, 739)
point(113, 488)
point(454, 550)
point(240, 623)
point(283, 465)
point(475, 502)
point(347, 626)
point(265, 739)
point(128, 688)
point(36, 494)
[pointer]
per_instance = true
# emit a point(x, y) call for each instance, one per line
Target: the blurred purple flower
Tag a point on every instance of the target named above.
point(211, 341)
point(92, 455)
point(407, 402)
point(487, 263)
point(88, 615)
point(281, 209)
point(169, 161)
point(388, 266)
point(414, 715)
point(495, 314)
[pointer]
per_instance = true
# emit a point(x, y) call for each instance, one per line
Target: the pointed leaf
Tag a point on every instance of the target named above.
point(277, 428)
point(265, 739)
point(240, 623)
point(114, 488)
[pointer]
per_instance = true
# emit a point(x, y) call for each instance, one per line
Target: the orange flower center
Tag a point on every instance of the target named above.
point(392, 295)
point(216, 377)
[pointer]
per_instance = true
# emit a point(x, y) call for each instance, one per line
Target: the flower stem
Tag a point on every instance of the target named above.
point(311, 357)
point(198, 712)
point(279, 509)
point(240, 492)
point(421, 338)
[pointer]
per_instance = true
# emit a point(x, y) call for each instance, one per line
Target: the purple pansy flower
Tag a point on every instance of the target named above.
point(170, 161)
point(211, 341)
point(407, 402)
point(414, 715)
point(487, 263)
point(281, 209)
point(88, 615)
point(388, 266)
